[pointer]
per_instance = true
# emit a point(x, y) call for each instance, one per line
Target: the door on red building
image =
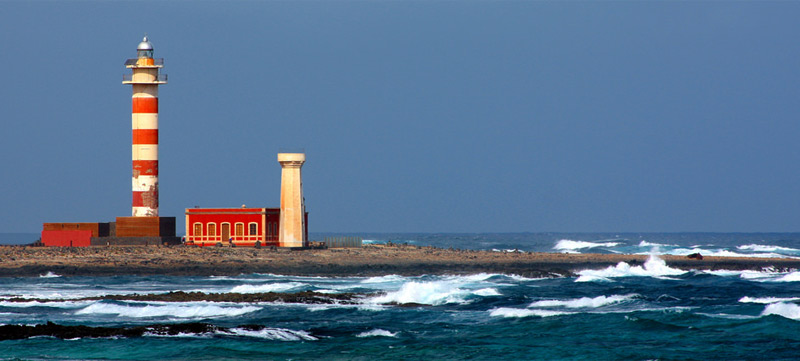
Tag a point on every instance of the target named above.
point(225, 229)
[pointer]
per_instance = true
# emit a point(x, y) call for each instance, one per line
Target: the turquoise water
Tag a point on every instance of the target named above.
point(623, 312)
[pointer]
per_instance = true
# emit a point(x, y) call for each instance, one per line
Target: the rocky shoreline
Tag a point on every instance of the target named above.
point(304, 297)
point(70, 332)
point(372, 260)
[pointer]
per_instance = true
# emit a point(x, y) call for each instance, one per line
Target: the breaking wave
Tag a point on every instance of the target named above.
point(767, 300)
point(654, 267)
point(269, 287)
point(183, 310)
point(426, 293)
point(766, 248)
point(53, 304)
point(567, 245)
point(791, 277)
point(722, 253)
point(279, 334)
point(450, 289)
point(584, 302)
point(377, 333)
point(788, 310)
point(653, 244)
point(384, 279)
point(524, 312)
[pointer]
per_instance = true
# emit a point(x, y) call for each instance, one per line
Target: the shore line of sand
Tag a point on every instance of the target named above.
point(374, 260)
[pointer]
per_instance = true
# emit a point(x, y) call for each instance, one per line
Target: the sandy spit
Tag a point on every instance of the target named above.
point(372, 260)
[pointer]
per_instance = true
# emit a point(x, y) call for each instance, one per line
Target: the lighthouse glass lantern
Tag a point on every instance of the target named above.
point(145, 49)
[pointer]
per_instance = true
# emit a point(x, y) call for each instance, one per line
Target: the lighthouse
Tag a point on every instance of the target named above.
point(145, 78)
point(144, 226)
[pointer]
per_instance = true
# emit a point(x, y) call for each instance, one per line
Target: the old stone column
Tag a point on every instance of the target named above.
point(292, 222)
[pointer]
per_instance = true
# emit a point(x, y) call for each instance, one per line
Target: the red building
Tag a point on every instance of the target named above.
point(253, 227)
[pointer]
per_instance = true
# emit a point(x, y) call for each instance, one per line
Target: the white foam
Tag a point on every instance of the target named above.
point(652, 244)
point(523, 312)
point(723, 253)
point(279, 334)
point(487, 292)
point(525, 279)
point(269, 287)
point(54, 304)
point(384, 279)
point(722, 273)
point(791, 277)
point(756, 275)
point(570, 245)
point(583, 302)
point(447, 289)
point(64, 291)
point(478, 277)
point(767, 300)
point(49, 274)
point(377, 333)
point(727, 316)
point(426, 293)
point(654, 267)
point(788, 310)
point(181, 310)
point(765, 248)
point(759, 276)
point(180, 335)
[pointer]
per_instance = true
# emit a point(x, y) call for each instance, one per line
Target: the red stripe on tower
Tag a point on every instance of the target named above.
point(145, 105)
point(145, 136)
point(145, 167)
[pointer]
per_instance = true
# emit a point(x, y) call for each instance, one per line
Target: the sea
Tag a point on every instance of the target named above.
point(631, 312)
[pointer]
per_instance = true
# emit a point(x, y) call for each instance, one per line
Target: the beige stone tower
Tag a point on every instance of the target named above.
point(292, 226)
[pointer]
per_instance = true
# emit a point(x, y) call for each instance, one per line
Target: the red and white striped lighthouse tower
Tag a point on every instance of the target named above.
point(145, 80)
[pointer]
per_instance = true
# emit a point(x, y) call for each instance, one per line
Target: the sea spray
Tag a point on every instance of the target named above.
point(653, 267)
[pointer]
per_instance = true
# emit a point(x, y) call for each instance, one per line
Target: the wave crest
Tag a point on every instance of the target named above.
point(584, 302)
point(508, 312)
point(788, 310)
point(377, 333)
point(654, 267)
point(185, 310)
point(568, 245)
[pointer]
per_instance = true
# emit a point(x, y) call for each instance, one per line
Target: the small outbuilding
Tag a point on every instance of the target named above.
point(247, 227)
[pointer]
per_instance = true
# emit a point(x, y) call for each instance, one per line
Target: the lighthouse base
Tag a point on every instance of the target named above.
point(144, 227)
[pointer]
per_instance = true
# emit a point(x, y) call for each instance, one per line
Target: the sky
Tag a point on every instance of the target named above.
point(415, 116)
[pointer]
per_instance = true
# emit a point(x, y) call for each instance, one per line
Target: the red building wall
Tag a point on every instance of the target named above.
point(71, 238)
point(232, 226)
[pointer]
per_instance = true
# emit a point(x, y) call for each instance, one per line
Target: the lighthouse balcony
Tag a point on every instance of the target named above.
point(146, 79)
point(144, 63)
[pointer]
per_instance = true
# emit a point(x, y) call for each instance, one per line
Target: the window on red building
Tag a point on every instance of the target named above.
point(253, 229)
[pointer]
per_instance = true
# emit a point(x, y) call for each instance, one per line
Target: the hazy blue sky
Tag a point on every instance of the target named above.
point(424, 116)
